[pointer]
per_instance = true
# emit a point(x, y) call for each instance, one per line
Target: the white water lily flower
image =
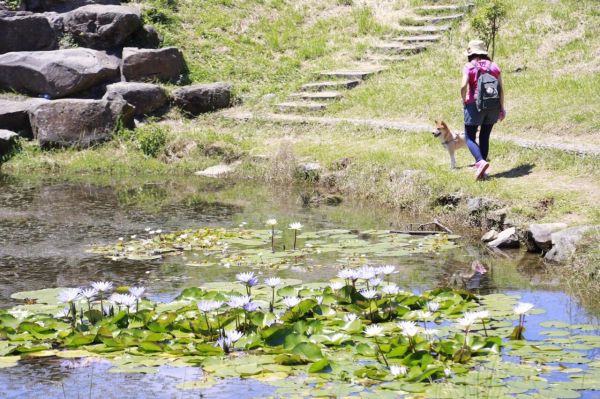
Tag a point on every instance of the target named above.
point(409, 328)
point(224, 343)
point(251, 306)
point(398, 370)
point(482, 314)
point(319, 299)
point(522, 308)
point(272, 281)
point(237, 302)
point(336, 285)
point(128, 300)
point(391, 289)
point(348, 317)
point(291, 301)
point(271, 222)
point(366, 272)
point(349, 274)
point(62, 314)
point(102, 286)
point(468, 319)
point(89, 293)
point(430, 332)
point(244, 277)
point(374, 330)
point(137, 292)
point(387, 269)
point(448, 372)
point(375, 282)
point(433, 306)
point(369, 294)
point(295, 226)
point(69, 295)
point(208, 306)
point(423, 315)
point(234, 335)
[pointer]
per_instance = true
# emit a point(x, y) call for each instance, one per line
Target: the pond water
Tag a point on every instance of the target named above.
point(48, 227)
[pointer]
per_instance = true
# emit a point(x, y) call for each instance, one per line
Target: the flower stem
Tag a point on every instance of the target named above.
point(273, 239)
point(295, 235)
point(381, 353)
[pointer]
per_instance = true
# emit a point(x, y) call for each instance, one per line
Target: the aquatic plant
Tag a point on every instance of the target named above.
point(272, 282)
point(520, 310)
point(295, 227)
point(272, 223)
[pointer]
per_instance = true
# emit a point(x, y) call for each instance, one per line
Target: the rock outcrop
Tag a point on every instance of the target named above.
point(564, 242)
point(62, 5)
point(145, 37)
point(101, 27)
point(14, 115)
point(57, 73)
point(145, 97)
point(23, 31)
point(79, 123)
point(506, 239)
point(197, 99)
point(538, 237)
point(166, 64)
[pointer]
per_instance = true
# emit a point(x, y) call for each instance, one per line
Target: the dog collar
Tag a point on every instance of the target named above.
point(449, 141)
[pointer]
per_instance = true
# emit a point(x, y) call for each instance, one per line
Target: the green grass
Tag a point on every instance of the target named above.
point(554, 46)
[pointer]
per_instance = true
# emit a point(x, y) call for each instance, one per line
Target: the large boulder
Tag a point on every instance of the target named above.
point(62, 5)
point(538, 237)
point(100, 26)
point(200, 98)
point(506, 239)
point(56, 73)
point(564, 242)
point(145, 37)
point(78, 123)
point(145, 97)
point(14, 115)
point(166, 64)
point(23, 31)
point(8, 141)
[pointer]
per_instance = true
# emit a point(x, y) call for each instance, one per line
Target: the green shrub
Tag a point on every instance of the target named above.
point(151, 139)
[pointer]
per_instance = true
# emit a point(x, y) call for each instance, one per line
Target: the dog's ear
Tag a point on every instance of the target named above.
point(436, 122)
point(444, 124)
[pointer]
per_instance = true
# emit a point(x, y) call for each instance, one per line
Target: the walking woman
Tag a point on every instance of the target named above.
point(480, 111)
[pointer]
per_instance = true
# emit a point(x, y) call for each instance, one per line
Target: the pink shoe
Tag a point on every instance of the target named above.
point(482, 166)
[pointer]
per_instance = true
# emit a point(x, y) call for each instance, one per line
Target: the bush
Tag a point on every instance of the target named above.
point(151, 139)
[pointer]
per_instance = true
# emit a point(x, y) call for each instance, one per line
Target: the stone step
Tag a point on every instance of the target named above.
point(400, 48)
point(385, 59)
point(320, 95)
point(438, 19)
point(417, 39)
point(301, 106)
point(331, 84)
point(424, 29)
point(360, 74)
point(441, 8)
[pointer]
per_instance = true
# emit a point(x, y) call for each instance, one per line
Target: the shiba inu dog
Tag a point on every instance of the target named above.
point(451, 141)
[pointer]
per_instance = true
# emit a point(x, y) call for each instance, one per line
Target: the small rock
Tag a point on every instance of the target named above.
point(14, 115)
point(451, 199)
point(489, 236)
point(564, 242)
point(145, 97)
point(23, 31)
point(8, 141)
point(166, 64)
point(333, 200)
point(538, 237)
point(101, 27)
point(342, 163)
point(197, 99)
point(506, 239)
point(218, 171)
point(80, 123)
point(310, 171)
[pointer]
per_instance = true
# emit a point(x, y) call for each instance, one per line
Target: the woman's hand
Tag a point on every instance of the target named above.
point(502, 115)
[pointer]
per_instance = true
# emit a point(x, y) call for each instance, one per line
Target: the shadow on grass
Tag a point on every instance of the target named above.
point(517, 171)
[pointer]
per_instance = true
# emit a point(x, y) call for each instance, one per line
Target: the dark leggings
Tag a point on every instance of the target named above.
point(479, 151)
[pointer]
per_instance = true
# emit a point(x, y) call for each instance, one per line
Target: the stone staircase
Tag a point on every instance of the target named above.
point(424, 28)
point(78, 96)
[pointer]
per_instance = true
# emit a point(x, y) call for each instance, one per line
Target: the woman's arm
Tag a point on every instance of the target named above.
point(464, 87)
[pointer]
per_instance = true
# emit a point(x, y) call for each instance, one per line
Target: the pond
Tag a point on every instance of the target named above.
point(50, 228)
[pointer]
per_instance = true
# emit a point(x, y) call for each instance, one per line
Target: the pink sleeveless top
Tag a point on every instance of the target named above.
point(470, 69)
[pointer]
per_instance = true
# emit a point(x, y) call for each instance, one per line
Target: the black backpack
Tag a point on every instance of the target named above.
point(488, 91)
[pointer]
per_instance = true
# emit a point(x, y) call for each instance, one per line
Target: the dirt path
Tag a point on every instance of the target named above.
point(403, 126)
